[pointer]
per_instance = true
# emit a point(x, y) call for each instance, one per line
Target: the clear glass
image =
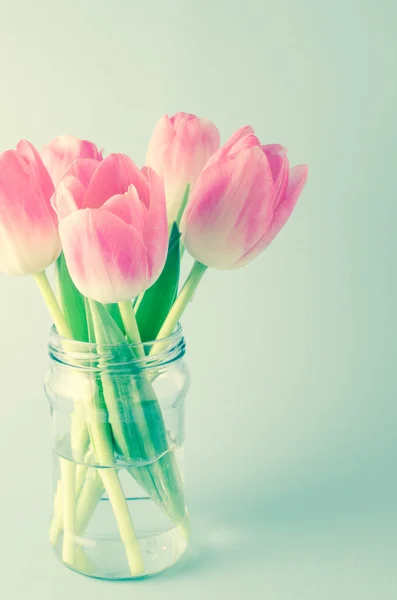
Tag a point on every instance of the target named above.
point(117, 440)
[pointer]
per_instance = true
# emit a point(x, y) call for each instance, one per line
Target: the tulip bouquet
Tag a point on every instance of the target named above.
point(116, 235)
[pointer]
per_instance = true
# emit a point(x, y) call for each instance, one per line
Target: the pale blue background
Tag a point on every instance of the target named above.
point(292, 420)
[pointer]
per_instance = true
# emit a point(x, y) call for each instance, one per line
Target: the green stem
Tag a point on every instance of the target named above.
point(180, 303)
point(68, 478)
point(89, 498)
point(65, 501)
point(52, 304)
point(138, 301)
point(79, 438)
point(181, 250)
point(131, 327)
point(79, 442)
point(119, 504)
point(102, 450)
point(57, 519)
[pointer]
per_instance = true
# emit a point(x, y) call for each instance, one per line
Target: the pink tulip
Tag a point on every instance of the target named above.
point(29, 240)
point(242, 199)
point(62, 151)
point(113, 227)
point(178, 150)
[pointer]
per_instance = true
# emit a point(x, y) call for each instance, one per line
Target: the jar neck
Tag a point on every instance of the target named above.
point(121, 357)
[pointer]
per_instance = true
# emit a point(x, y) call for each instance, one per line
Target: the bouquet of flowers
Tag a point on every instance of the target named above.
point(116, 235)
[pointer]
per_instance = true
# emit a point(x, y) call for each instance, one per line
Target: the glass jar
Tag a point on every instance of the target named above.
point(117, 439)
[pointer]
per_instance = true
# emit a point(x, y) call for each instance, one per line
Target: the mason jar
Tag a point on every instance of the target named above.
point(117, 416)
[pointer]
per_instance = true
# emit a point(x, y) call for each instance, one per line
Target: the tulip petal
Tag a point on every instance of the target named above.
point(113, 176)
point(269, 149)
point(63, 150)
point(29, 240)
point(83, 169)
point(248, 141)
point(279, 166)
point(230, 208)
point(70, 191)
point(237, 139)
point(156, 226)
point(241, 139)
point(11, 165)
point(76, 180)
point(19, 184)
point(296, 183)
point(297, 180)
point(178, 150)
point(105, 257)
point(162, 136)
point(195, 142)
point(128, 208)
point(32, 158)
point(180, 119)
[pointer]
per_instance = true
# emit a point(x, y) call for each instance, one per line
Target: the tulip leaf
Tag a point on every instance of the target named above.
point(158, 299)
point(107, 332)
point(114, 311)
point(134, 411)
point(136, 419)
point(71, 301)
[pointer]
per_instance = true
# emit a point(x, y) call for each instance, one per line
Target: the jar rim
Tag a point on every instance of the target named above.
point(80, 354)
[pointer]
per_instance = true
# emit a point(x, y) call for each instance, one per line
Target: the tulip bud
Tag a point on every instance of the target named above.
point(58, 154)
point(29, 240)
point(240, 202)
point(113, 227)
point(178, 150)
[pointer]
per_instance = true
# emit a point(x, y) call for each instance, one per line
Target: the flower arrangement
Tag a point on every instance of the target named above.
point(116, 235)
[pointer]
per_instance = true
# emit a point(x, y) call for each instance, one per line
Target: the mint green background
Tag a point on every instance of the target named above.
point(292, 419)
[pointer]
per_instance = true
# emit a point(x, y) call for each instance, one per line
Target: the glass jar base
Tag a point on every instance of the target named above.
point(103, 555)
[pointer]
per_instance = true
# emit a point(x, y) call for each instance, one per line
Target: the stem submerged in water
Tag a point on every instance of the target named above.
point(68, 478)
